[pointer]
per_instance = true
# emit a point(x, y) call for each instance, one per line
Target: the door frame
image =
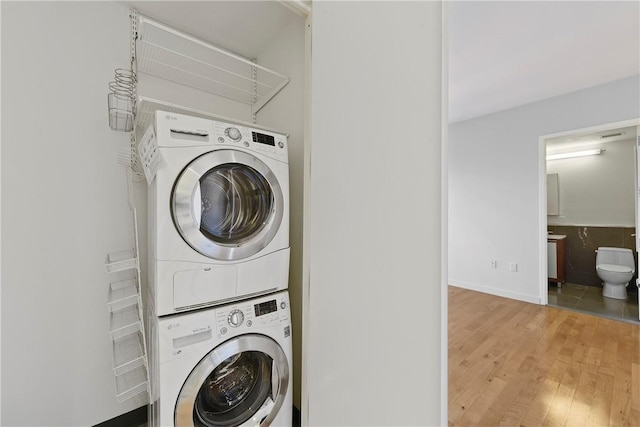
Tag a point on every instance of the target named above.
point(542, 194)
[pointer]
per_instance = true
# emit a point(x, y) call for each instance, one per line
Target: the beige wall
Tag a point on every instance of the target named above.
point(374, 319)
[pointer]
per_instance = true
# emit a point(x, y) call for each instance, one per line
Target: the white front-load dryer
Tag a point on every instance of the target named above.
point(218, 213)
point(227, 365)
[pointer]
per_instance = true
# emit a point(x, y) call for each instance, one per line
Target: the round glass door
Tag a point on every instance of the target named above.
point(227, 205)
point(243, 381)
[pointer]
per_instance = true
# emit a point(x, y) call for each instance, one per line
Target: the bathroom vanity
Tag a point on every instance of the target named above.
point(556, 258)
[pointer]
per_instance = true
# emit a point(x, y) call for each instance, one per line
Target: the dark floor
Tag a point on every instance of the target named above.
point(589, 299)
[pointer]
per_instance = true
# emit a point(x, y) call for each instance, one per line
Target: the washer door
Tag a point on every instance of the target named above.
point(241, 382)
point(227, 205)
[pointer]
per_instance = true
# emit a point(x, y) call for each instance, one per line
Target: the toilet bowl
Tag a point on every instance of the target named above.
point(615, 266)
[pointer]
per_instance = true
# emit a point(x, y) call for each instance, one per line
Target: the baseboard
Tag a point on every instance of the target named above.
point(296, 417)
point(494, 291)
point(138, 417)
point(133, 418)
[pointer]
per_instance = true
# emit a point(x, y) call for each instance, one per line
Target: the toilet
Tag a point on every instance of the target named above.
point(615, 266)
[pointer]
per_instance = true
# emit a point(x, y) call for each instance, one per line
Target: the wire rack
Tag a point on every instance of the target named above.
point(121, 100)
point(170, 54)
point(126, 325)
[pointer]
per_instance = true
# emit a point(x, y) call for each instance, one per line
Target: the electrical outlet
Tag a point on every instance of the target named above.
point(513, 267)
point(494, 263)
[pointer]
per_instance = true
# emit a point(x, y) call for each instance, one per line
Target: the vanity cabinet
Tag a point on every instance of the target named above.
point(556, 258)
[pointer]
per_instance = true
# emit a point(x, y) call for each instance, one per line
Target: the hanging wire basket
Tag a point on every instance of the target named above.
point(121, 99)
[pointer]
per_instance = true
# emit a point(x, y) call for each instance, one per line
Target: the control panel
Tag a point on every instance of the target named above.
point(183, 131)
point(272, 144)
point(247, 315)
point(181, 333)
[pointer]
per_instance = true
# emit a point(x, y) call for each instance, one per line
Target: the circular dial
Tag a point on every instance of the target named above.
point(233, 133)
point(235, 318)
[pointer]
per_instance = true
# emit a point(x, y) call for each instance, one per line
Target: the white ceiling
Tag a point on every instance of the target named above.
point(502, 54)
point(509, 53)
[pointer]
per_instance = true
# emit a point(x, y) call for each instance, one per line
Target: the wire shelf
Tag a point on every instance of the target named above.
point(131, 383)
point(124, 322)
point(128, 353)
point(120, 261)
point(122, 294)
point(170, 54)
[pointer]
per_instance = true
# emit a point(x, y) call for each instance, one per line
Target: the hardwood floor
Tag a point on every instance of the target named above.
point(517, 364)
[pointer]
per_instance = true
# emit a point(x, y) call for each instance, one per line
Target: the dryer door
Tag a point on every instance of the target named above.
point(227, 205)
point(241, 382)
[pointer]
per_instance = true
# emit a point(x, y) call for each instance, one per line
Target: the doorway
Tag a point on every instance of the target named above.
point(590, 199)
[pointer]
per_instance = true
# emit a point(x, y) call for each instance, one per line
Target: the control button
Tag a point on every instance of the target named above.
point(246, 143)
point(223, 331)
point(283, 305)
point(233, 133)
point(280, 144)
point(249, 323)
point(220, 139)
point(235, 318)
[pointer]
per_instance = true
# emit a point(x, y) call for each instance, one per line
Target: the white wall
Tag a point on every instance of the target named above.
point(597, 190)
point(494, 195)
point(64, 208)
point(375, 279)
point(285, 112)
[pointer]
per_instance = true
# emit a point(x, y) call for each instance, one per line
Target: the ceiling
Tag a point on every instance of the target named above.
point(504, 54)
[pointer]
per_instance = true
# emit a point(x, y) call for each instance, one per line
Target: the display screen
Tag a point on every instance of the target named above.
point(264, 139)
point(266, 307)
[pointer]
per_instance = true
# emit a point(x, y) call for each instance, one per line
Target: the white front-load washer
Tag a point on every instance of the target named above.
point(228, 365)
point(218, 213)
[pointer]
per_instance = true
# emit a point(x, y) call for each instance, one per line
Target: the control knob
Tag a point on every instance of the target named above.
point(235, 318)
point(233, 134)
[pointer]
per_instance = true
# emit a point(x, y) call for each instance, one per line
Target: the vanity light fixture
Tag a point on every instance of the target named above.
point(575, 154)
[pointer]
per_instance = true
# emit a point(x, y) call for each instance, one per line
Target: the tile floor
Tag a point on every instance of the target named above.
point(589, 299)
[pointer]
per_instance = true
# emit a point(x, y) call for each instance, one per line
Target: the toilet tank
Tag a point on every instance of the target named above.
point(616, 256)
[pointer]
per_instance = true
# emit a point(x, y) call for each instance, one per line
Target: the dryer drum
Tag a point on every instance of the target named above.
point(227, 205)
point(235, 203)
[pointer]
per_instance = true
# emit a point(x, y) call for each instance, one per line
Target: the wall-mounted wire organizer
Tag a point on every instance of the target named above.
point(130, 365)
point(162, 51)
point(121, 102)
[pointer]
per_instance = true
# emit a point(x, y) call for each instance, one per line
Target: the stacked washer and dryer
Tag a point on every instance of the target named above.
point(219, 324)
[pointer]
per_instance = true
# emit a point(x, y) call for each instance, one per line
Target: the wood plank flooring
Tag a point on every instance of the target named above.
point(517, 364)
